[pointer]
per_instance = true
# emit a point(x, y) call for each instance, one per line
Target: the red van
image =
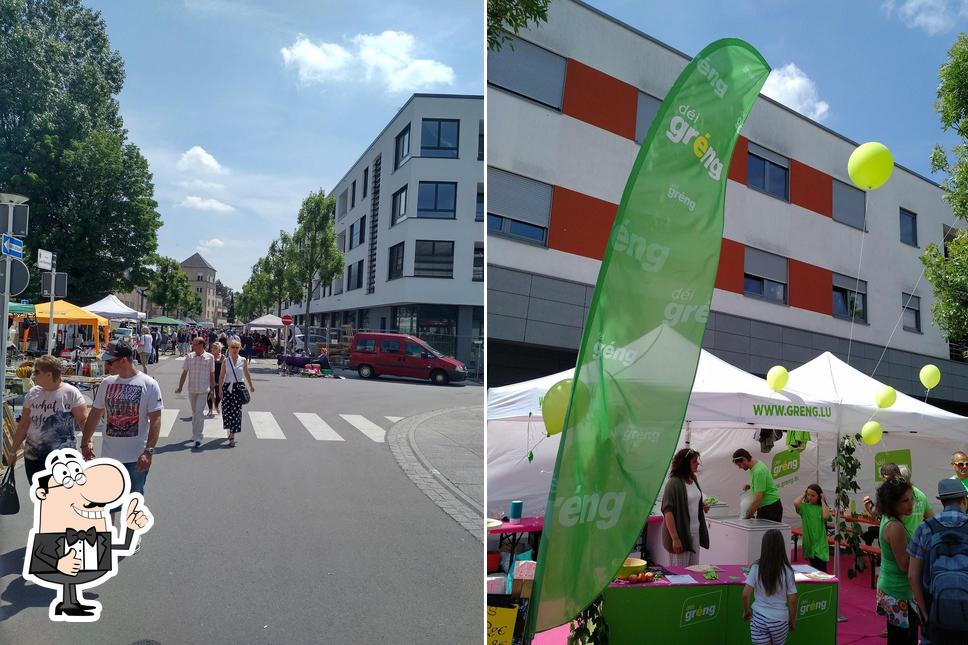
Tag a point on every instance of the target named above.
point(381, 354)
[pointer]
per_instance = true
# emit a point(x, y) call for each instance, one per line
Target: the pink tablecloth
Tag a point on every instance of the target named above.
point(729, 574)
point(526, 525)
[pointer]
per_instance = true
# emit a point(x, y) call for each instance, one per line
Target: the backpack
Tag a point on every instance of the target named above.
point(945, 576)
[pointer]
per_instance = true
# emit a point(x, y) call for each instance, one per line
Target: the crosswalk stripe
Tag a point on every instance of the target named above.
point(213, 428)
point(317, 427)
point(367, 427)
point(265, 426)
point(168, 418)
point(393, 419)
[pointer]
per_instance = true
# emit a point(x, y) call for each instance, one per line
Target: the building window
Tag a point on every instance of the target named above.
point(518, 207)
point(909, 227)
point(648, 107)
point(437, 199)
point(849, 298)
point(439, 138)
point(848, 205)
point(480, 140)
point(357, 234)
point(399, 206)
point(479, 211)
point(354, 276)
point(433, 259)
point(768, 172)
point(395, 269)
point(341, 241)
point(199, 277)
point(353, 194)
point(528, 70)
point(366, 179)
point(402, 149)
point(341, 202)
point(765, 275)
point(478, 275)
point(911, 312)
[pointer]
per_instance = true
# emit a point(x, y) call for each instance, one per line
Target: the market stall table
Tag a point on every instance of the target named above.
point(710, 611)
point(512, 534)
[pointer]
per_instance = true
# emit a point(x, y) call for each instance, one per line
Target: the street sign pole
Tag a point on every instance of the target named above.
point(4, 308)
point(50, 322)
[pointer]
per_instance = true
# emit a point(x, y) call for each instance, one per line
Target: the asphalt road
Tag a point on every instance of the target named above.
point(287, 538)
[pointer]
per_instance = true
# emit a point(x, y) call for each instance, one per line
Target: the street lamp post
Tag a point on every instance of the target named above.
point(11, 200)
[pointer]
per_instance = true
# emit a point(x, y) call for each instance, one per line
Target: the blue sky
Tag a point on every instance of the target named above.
point(866, 69)
point(242, 107)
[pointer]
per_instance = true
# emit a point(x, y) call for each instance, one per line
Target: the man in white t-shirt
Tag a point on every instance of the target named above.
point(144, 350)
point(132, 401)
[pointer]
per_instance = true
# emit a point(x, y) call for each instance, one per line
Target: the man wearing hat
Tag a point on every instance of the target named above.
point(937, 571)
point(131, 402)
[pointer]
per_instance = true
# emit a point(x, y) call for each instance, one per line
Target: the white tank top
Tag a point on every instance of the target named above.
point(238, 375)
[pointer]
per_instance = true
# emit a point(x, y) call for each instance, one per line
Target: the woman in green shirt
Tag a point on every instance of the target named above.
point(814, 513)
point(895, 501)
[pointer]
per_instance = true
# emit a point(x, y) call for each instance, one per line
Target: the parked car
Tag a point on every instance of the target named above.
point(315, 343)
point(386, 354)
point(123, 333)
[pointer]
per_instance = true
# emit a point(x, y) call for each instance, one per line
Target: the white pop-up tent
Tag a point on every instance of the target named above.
point(111, 308)
point(723, 396)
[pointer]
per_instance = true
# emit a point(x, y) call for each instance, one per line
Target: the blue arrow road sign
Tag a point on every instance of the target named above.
point(25, 302)
point(12, 246)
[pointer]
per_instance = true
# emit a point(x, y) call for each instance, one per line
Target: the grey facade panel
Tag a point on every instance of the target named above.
point(507, 304)
point(556, 312)
point(505, 327)
point(589, 296)
point(797, 337)
point(765, 330)
point(733, 324)
point(797, 355)
point(732, 342)
point(741, 361)
point(557, 290)
point(501, 279)
point(761, 364)
point(766, 348)
point(543, 333)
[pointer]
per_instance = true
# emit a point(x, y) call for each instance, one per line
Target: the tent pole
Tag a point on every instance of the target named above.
point(840, 617)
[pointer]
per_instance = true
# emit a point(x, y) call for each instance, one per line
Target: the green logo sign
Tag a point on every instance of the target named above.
point(785, 463)
point(701, 608)
point(815, 603)
point(899, 457)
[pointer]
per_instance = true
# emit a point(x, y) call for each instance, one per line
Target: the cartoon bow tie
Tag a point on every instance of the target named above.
point(74, 536)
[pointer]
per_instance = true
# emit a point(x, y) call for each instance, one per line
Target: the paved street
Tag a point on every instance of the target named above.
point(311, 530)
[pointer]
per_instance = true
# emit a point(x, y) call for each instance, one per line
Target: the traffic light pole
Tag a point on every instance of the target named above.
point(5, 310)
point(50, 323)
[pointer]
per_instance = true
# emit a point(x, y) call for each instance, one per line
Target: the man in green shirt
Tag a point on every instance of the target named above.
point(959, 461)
point(766, 499)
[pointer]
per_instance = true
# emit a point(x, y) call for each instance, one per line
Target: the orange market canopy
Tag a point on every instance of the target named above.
point(66, 313)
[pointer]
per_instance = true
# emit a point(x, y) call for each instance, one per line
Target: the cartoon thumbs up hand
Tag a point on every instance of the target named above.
point(137, 518)
point(69, 564)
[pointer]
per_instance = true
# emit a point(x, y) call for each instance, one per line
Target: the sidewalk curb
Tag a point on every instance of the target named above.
point(428, 479)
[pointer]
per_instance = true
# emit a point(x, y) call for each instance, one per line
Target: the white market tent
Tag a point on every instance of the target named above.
point(267, 321)
point(111, 308)
point(722, 397)
point(721, 418)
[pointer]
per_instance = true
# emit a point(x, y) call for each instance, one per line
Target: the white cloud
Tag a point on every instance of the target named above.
point(198, 184)
point(206, 204)
point(387, 58)
point(197, 159)
point(213, 243)
point(933, 16)
point(794, 89)
point(316, 63)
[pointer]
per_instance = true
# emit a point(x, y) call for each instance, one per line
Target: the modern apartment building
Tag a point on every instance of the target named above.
point(201, 275)
point(410, 219)
point(804, 254)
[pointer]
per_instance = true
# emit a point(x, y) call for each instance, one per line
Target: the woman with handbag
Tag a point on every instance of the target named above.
point(234, 394)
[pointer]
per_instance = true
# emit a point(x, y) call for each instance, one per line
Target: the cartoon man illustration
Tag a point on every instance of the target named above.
point(72, 545)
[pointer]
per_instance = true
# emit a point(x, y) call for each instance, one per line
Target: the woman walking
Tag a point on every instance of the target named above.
point(215, 396)
point(684, 511)
point(231, 383)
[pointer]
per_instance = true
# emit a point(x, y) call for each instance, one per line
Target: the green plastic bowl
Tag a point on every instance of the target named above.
point(631, 565)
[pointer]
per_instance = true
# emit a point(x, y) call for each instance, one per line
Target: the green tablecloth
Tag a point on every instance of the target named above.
point(710, 614)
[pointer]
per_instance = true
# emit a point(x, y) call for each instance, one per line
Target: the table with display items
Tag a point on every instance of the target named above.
point(710, 611)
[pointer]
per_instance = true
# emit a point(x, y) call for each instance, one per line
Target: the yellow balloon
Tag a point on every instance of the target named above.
point(555, 405)
point(871, 432)
point(885, 397)
point(777, 377)
point(870, 165)
point(930, 376)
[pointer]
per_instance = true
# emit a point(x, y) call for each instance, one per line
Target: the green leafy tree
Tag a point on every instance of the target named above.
point(278, 266)
point(191, 302)
point(505, 16)
point(314, 258)
point(949, 275)
point(171, 290)
point(64, 146)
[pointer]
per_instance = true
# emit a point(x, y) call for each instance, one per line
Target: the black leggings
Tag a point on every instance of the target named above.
point(899, 636)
